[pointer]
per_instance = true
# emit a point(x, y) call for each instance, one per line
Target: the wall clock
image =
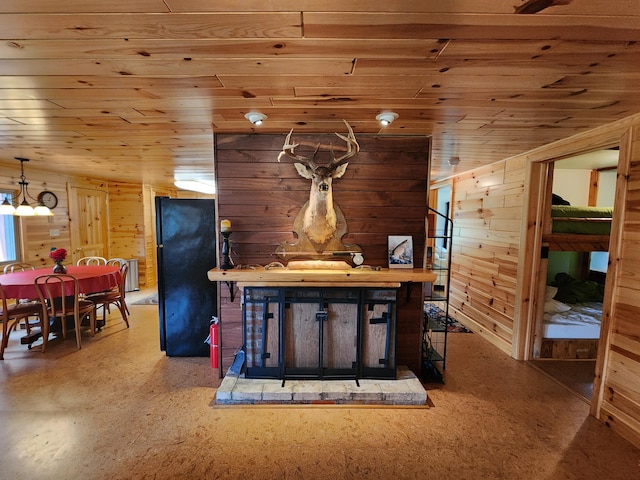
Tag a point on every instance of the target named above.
point(48, 199)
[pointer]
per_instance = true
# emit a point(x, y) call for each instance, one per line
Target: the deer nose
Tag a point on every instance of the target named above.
point(323, 187)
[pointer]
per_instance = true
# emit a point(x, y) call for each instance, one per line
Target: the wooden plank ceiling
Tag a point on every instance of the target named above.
point(133, 91)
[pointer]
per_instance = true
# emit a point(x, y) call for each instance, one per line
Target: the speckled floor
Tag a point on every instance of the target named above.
point(120, 409)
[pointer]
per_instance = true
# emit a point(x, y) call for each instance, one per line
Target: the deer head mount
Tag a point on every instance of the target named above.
point(319, 218)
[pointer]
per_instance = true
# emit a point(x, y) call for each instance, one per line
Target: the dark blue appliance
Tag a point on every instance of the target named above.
point(186, 250)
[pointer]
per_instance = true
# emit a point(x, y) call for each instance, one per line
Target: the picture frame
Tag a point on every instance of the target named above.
point(400, 251)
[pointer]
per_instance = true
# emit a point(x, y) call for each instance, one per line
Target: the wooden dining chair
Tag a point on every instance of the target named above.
point(18, 267)
point(116, 262)
point(12, 314)
point(21, 267)
point(115, 296)
point(120, 262)
point(60, 297)
point(93, 260)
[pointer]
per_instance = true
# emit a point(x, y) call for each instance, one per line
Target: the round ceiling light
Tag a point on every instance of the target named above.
point(256, 117)
point(386, 118)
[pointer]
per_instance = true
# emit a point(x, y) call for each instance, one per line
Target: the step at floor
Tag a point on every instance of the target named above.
point(406, 389)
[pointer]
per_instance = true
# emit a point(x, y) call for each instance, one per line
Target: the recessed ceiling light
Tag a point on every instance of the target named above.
point(387, 118)
point(256, 117)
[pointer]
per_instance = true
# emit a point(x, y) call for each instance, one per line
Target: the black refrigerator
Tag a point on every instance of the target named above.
point(186, 250)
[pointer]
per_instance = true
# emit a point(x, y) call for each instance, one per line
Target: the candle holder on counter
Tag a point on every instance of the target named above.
point(225, 230)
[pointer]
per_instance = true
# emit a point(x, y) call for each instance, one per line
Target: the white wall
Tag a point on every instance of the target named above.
point(606, 188)
point(572, 185)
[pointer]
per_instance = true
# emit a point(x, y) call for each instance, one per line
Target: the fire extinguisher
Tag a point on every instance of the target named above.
point(213, 341)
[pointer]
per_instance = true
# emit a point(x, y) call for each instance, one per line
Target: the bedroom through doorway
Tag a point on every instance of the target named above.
point(574, 260)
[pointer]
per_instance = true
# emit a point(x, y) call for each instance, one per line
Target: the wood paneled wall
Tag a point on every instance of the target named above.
point(487, 213)
point(126, 225)
point(619, 356)
point(383, 192)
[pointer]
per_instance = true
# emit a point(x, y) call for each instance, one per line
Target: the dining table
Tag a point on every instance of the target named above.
point(91, 279)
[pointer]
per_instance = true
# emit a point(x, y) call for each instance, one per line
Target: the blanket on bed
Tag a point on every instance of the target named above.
point(571, 290)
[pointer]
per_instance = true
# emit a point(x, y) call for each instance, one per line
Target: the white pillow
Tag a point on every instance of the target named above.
point(550, 293)
point(554, 306)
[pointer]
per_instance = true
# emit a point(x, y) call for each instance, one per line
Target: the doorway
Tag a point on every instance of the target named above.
point(573, 267)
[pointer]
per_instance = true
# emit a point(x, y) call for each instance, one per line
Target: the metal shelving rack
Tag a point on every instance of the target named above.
point(436, 301)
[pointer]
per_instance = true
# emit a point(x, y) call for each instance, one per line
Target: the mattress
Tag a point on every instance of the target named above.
point(580, 222)
point(582, 321)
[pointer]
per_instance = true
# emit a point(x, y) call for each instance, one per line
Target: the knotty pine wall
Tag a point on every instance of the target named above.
point(383, 192)
point(126, 225)
point(618, 381)
point(487, 212)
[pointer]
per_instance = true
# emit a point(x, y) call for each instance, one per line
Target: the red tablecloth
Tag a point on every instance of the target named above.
point(91, 278)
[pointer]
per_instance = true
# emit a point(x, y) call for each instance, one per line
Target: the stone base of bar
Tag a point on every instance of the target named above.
point(406, 389)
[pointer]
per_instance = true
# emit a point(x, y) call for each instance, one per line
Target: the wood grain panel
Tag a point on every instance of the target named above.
point(486, 239)
point(483, 80)
point(81, 26)
point(264, 202)
point(504, 7)
point(397, 25)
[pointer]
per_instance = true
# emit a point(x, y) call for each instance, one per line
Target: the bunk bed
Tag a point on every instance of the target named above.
point(579, 228)
point(571, 322)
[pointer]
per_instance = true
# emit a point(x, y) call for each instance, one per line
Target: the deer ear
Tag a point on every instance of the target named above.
point(338, 172)
point(303, 170)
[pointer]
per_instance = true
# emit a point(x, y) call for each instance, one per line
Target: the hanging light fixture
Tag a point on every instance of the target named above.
point(24, 209)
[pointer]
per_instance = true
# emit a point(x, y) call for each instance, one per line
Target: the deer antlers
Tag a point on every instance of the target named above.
point(352, 149)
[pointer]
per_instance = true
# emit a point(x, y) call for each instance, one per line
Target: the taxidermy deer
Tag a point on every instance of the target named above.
point(319, 220)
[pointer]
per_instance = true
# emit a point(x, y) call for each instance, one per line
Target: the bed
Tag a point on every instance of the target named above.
point(579, 228)
point(570, 330)
point(581, 321)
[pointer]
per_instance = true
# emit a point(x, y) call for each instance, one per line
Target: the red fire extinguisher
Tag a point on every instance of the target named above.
point(213, 342)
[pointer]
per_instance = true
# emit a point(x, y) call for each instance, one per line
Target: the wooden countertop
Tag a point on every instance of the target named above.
point(362, 277)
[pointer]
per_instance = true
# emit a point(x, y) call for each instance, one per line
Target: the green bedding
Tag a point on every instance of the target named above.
point(571, 290)
point(581, 227)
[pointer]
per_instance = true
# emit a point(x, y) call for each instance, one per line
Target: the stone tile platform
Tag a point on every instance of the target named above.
point(406, 389)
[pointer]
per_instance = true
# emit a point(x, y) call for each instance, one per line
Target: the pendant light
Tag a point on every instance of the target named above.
point(23, 208)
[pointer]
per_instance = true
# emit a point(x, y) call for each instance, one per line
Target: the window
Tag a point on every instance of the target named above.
point(9, 231)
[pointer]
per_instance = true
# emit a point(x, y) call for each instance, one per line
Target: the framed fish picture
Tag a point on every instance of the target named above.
point(400, 251)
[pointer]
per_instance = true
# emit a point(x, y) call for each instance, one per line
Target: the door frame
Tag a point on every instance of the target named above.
point(537, 188)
